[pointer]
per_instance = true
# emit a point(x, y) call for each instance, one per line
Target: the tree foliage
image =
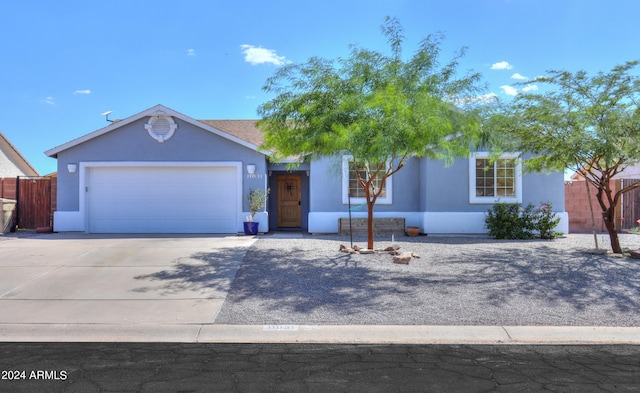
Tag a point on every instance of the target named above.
point(375, 106)
point(590, 124)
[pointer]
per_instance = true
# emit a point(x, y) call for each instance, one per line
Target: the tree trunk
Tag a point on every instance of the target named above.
point(609, 223)
point(608, 211)
point(370, 225)
point(593, 218)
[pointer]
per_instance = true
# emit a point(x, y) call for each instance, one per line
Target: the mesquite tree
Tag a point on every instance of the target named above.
point(377, 107)
point(590, 124)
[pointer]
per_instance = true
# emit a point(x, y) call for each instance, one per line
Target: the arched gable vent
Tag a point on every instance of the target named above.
point(160, 126)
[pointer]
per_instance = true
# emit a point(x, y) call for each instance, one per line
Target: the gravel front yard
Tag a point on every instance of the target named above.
point(457, 281)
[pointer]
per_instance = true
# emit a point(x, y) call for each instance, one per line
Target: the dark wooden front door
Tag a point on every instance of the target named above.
point(289, 201)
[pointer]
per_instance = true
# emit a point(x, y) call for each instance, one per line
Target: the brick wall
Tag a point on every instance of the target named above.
point(577, 205)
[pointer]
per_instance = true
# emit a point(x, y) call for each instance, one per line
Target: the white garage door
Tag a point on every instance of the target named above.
point(160, 199)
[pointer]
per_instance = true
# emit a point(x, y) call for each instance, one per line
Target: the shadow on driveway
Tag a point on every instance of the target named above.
point(202, 272)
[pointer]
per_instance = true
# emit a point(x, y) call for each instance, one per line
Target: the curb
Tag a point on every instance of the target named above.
point(322, 334)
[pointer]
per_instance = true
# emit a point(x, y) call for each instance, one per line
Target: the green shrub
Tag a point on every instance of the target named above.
point(512, 221)
point(546, 221)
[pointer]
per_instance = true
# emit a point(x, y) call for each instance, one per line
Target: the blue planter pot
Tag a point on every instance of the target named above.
point(251, 228)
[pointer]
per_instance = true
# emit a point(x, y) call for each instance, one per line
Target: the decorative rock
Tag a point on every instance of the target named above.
point(403, 258)
point(635, 254)
point(346, 249)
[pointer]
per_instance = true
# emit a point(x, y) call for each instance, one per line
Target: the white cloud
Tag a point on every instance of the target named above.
point(487, 97)
point(191, 52)
point(509, 90)
point(49, 101)
point(519, 77)
point(87, 91)
point(257, 55)
point(512, 91)
point(503, 65)
point(490, 97)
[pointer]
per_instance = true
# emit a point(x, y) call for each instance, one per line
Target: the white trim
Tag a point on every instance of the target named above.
point(473, 199)
point(454, 222)
point(428, 222)
point(147, 113)
point(387, 200)
point(81, 222)
point(153, 121)
point(471, 222)
point(327, 222)
point(68, 221)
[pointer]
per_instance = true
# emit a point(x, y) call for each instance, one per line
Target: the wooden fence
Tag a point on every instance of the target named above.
point(630, 205)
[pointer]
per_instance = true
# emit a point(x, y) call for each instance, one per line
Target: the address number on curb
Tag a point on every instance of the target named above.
point(280, 328)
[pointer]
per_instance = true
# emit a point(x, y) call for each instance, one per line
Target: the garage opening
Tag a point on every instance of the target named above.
point(162, 199)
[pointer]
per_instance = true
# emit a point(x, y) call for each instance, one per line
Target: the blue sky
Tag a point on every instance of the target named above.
point(63, 63)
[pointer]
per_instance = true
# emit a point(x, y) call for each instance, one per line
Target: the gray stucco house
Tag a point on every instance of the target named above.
point(160, 171)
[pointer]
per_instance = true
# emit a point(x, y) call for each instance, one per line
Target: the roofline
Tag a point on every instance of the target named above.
point(18, 155)
point(146, 113)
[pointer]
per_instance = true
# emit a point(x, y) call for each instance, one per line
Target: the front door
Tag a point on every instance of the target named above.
point(289, 201)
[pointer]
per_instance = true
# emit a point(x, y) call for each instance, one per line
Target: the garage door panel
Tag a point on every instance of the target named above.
point(163, 199)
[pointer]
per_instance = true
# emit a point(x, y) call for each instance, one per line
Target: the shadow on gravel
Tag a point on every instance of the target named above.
point(302, 282)
point(466, 282)
point(575, 278)
point(200, 272)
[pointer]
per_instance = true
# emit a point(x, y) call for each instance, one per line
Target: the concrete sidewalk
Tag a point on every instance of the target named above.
point(325, 334)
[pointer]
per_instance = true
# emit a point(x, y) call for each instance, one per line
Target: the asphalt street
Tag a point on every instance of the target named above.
point(188, 367)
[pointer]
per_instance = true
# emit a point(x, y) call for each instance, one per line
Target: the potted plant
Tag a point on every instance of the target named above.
point(257, 201)
point(413, 231)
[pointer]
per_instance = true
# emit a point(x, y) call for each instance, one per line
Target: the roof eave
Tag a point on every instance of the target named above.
point(151, 112)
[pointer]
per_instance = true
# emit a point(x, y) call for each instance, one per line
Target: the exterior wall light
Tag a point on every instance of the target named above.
point(251, 169)
point(72, 168)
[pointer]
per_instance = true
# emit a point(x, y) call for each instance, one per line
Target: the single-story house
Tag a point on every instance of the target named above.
point(12, 163)
point(162, 171)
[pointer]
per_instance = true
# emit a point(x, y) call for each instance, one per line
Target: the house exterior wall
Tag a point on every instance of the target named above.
point(326, 199)
point(326, 187)
point(428, 194)
point(12, 165)
point(447, 188)
point(132, 143)
point(446, 199)
point(424, 192)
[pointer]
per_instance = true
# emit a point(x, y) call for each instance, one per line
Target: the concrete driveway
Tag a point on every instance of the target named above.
point(116, 279)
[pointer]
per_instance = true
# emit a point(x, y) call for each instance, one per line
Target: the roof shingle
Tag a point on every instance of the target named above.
point(243, 129)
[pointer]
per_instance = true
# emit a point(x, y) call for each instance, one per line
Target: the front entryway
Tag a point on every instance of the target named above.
point(289, 201)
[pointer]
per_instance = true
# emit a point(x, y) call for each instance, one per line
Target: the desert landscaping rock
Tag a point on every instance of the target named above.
point(403, 258)
point(459, 280)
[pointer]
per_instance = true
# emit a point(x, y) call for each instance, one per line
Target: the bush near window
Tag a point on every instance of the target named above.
point(512, 221)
